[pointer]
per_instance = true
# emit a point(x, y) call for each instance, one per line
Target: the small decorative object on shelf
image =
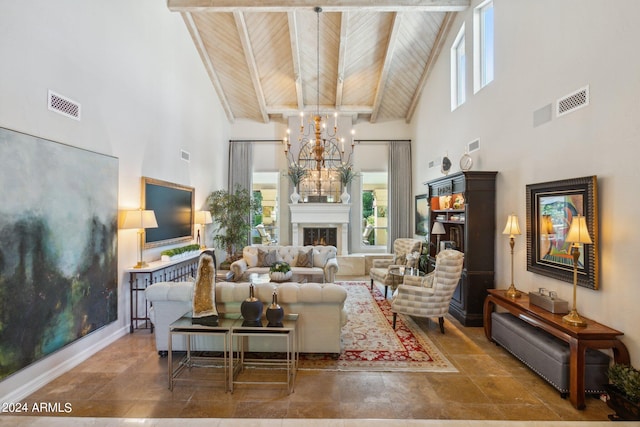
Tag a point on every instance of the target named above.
point(280, 271)
point(251, 309)
point(275, 313)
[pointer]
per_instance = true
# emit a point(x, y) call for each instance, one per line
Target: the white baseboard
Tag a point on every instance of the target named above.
point(57, 368)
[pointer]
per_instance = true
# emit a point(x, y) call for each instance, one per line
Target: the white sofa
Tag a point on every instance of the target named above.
point(320, 306)
point(323, 269)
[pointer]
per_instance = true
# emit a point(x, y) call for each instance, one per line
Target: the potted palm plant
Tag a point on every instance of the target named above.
point(624, 392)
point(231, 216)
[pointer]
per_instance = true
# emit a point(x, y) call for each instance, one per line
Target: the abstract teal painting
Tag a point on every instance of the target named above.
point(58, 246)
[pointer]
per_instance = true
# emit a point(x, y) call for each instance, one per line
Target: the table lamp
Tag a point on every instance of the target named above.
point(578, 234)
point(140, 219)
point(512, 229)
point(438, 230)
point(202, 218)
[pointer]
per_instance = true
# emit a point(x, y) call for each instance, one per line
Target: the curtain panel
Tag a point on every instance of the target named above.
point(240, 165)
point(400, 191)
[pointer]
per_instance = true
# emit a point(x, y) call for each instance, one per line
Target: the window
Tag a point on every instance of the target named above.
point(265, 193)
point(458, 62)
point(483, 45)
point(374, 209)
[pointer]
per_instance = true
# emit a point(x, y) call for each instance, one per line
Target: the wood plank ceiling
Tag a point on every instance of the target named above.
point(373, 59)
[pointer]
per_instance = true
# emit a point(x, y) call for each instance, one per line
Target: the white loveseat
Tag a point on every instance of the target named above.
point(320, 306)
point(323, 266)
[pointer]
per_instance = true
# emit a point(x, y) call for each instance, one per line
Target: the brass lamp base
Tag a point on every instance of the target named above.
point(512, 292)
point(574, 319)
point(141, 264)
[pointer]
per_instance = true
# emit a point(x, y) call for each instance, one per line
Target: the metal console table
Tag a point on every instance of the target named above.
point(186, 328)
point(156, 271)
point(240, 333)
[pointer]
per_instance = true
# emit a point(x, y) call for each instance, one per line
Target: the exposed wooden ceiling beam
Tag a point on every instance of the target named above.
point(197, 40)
point(435, 52)
point(295, 57)
point(342, 48)
point(288, 111)
point(327, 5)
point(388, 59)
point(243, 33)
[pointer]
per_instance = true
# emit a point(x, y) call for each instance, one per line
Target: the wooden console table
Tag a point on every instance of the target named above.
point(594, 335)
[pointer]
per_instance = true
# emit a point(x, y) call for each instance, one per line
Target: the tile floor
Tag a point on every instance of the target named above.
point(128, 380)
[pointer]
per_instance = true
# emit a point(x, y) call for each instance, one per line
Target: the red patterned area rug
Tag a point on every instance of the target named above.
point(369, 342)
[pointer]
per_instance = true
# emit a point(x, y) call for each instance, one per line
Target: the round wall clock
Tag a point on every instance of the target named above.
point(466, 162)
point(446, 165)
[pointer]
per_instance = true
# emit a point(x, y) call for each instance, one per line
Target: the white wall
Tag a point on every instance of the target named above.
point(144, 94)
point(544, 50)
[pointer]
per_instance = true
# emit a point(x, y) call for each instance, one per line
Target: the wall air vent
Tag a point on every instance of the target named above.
point(63, 105)
point(573, 101)
point(474, 145)
point(185, 155)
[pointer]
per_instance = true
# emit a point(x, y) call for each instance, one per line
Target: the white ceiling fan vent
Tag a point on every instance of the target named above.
point(63, 105)
point(185, 155)
point(573, 101)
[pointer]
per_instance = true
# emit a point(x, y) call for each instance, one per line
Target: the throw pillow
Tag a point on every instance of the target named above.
point(400, 260)
point(305, 258)
point(267, 258)
point(250, 255)
point(320, 257)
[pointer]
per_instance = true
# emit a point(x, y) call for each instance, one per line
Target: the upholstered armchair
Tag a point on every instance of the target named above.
point(430, 295)
point(403, 256)
point(266, 237)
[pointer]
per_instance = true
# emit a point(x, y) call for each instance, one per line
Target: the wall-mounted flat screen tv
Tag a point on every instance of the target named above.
point(173, 205)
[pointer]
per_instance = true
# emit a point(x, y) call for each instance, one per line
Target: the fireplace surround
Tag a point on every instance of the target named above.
point(324, 216)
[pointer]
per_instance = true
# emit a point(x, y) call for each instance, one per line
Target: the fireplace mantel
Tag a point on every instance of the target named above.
point(321, 215)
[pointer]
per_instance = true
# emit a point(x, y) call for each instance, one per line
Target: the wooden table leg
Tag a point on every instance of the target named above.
point(576, 373)
point(489, 305)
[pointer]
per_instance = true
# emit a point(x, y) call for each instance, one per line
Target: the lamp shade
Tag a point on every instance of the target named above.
point(578, 232)
point(512, 228)
point(140, 219)
point(203, 217)
point(438, 228)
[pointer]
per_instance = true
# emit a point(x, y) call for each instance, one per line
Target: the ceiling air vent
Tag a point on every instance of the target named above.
point(185, 155)
point(573, 102)
point(63, 105)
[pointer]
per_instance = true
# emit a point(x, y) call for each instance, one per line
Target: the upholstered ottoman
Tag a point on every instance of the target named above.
point(545, 354)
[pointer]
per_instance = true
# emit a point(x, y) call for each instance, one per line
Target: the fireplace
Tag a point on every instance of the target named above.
point(325, 236)
point(328, 222)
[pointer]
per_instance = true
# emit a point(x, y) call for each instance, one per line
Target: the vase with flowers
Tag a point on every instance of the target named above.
point(346, 174)
point(296, 174)
point(280, 271)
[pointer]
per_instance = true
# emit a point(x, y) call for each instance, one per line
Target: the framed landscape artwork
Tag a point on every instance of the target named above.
point(422, 215)
point(550, 208)
point(58, 246)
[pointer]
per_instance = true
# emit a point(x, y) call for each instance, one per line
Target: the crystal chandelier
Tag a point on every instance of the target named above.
point(320, 162)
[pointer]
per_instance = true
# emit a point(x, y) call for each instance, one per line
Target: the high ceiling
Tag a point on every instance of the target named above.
point(374, 56)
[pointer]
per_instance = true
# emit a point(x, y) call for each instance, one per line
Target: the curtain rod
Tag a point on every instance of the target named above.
point(256, 140)
point(381, 140)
